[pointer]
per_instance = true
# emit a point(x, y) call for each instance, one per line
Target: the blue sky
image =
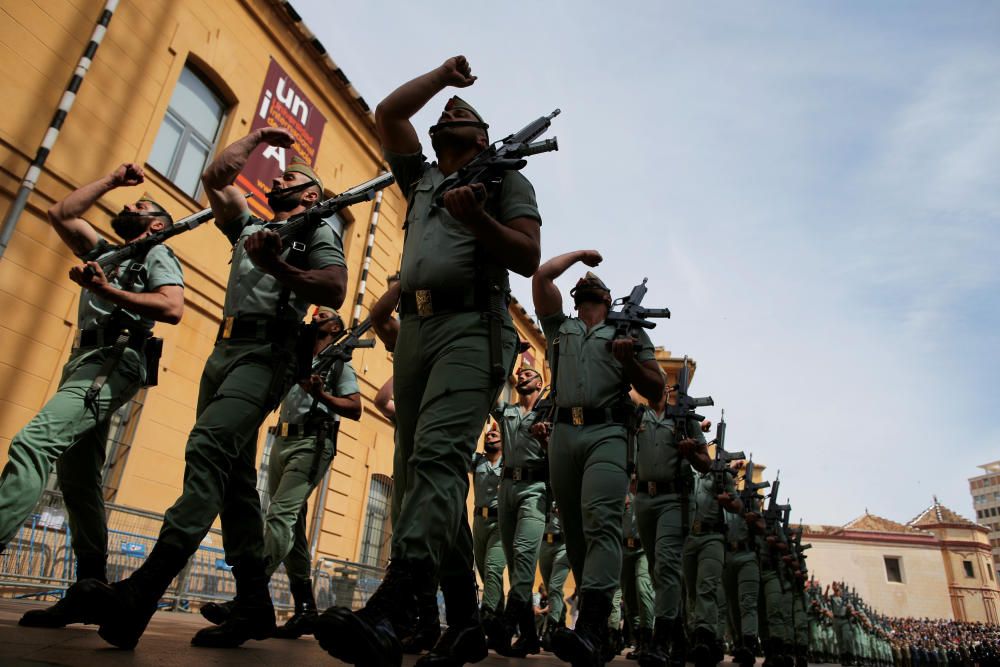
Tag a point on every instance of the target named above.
point(811, 189)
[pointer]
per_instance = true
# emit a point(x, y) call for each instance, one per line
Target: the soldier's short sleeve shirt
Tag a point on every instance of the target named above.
point(251, 292)
point(588, 374)
point(298, 403)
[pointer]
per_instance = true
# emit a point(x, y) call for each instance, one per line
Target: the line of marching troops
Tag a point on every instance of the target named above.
point(572, 479)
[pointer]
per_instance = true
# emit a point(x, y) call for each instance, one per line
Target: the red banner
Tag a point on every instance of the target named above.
point(281, 104)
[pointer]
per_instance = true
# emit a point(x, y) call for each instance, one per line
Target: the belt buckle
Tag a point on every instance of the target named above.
point(517, 474)
point(485, 512)
point(283, 429)
point(227, 327)
point(577, 416)
point(631, 543)
point(651, 488)
point(77, 338)
point(550, 538)
point(696, 526)
point(425, 306)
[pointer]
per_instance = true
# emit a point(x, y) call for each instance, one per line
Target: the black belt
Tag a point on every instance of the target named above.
point(256, 328)
point(706, 528)
point(285, 429)
point(108, 336)
point(591, 416)
point(487, 512)
point(651, 488)
point(526, 473)
point(552, 538)
point(428, 302)
point(631, 543)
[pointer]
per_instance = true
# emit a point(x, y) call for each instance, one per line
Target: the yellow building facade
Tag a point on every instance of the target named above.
point(200, 67)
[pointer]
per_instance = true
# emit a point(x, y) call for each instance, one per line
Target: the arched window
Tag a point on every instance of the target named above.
point(377, 535)
point(189, 132)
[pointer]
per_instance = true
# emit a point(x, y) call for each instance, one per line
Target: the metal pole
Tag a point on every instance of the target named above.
point(65, 104)
point(368, 259)
point(318, 509)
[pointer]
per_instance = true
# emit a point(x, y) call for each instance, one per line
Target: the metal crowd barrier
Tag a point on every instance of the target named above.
point(39, 562)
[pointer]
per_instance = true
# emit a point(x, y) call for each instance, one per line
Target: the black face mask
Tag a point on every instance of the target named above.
point(525, 387)
point(129, 225)
point(282, 200)
point(492, 446)
point(457, 123)
point(589, 296)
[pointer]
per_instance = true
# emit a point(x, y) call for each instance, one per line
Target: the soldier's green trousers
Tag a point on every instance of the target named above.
point(242, 382)
point(72, 435)
point(795, 612)
point(521, 508)
point(295, 467)
point(660, 530)
point(702, 563)
point(587, 469)
point(636, 589)
point(490, 562)
point(553, 563)
point(778, 624)
point(443, 393)
point(741, 576)
point(845, 636)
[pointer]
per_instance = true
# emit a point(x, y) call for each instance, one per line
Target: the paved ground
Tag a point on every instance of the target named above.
point(166, 644)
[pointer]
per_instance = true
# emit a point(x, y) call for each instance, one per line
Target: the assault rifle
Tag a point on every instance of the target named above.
point(312, 217)
point(749, 495)
point(772, 521)
point(490, 165)
point(633, 315)
point(684, 405)
point(341, 350)
point(720, 465)
point(139, 248)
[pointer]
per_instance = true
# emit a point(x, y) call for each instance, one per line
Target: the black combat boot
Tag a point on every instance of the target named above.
point(746, 654)
point(773, 652)
point(550, 627)
point(583, 646)
point(679, 643)
point(368, 636)
point(643, 637)
point(252, 615)
point(303, 621)
point(703, 649)
point(801, 652)
point(613, 644)
point(64, 612)
point(123, 609)
point(527, 642)
point(427, 629)
point(657, 651)
point(492, 623)
point(505, 627)
point(463, 641)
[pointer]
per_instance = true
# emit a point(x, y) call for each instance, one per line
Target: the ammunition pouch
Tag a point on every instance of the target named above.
point(152, 351)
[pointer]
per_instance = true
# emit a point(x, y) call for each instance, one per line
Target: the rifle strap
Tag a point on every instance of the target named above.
point(297, 256)
point(132, 274)
point(680, 432)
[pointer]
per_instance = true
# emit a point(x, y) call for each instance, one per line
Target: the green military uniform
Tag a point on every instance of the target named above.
point(71, 432)
point(487, 549)
point(741, 577)
point(704, 552)
point(795, 609)
point(842, 626)
point(773, 581)
point(296, 465)
point(664, 479)
point(636, 588)
point(588, 459)
point(243, 380)
point(522, 499)
point(442, 364)
point(554, 567)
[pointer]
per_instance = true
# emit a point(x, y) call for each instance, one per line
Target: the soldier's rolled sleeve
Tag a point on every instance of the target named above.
point(518, 199)
point(163, 268)
point(646, 351)
point(325, 249)
point(347, 383)
point(550, 325)
point(406, 168)
point(232, 228)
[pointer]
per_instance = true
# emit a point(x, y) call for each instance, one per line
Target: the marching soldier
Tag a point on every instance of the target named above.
point(523, 498)
point(305, 442)
point(702, 560)
point(268, 293)
point(591, 374)
point(553, 564)
point(106, 367)
point(664, 459)
point(456, 345)
point(487, 469)
point(741, 576)
point(635, 585)
point(773, 580)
